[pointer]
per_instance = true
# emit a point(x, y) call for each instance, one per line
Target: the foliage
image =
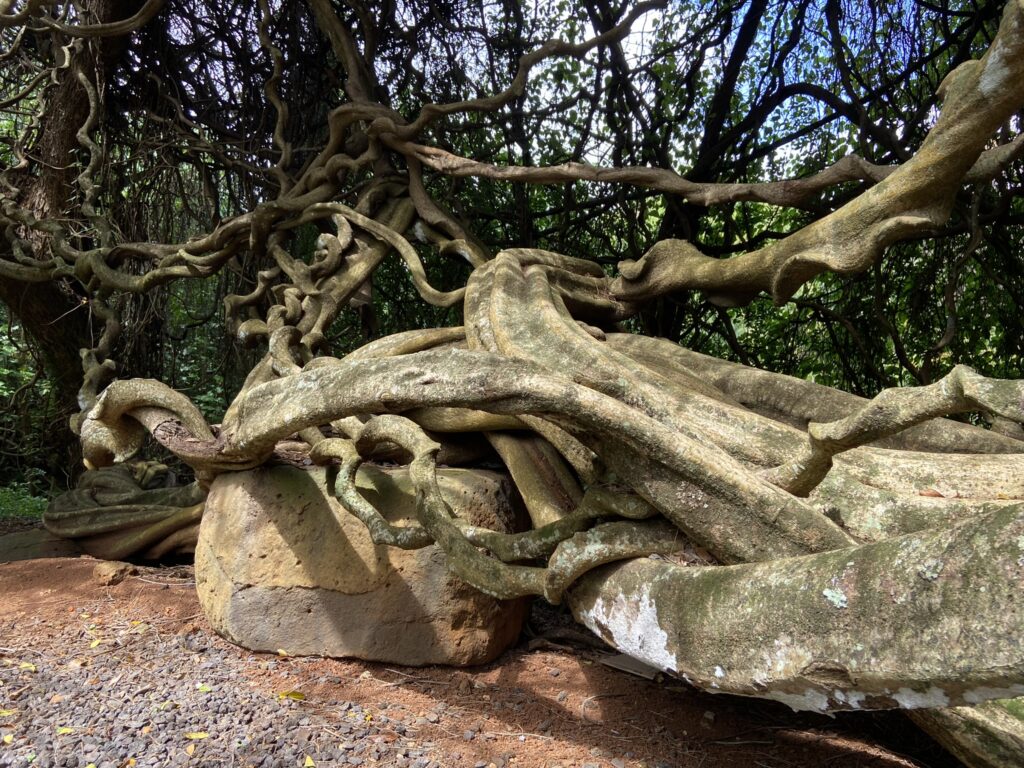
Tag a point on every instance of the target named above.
point(20, 500)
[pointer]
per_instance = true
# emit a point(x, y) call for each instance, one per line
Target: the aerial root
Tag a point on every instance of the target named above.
point(381, 531)
point(573, 549)
point(892, 411)
point(114, 429)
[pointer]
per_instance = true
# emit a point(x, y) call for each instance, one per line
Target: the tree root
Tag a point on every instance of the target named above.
point(915, 621)
point(573, 551)
point(893, 410)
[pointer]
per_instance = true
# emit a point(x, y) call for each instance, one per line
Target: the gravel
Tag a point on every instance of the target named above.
point(122, 695)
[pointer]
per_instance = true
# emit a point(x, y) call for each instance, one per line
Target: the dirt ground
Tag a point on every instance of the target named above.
point(550, 702)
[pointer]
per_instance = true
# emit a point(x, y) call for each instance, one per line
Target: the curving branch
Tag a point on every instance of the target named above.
point(788, 192)
point(892, 411)
point(979, 96)
point(107, 29)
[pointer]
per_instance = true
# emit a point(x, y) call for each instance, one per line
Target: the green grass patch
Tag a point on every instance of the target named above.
point(17, 500)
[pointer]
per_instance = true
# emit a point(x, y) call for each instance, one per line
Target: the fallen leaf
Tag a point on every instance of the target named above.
point(95, 642)
point(309, 763)
point(282, 652)
point(197, 735)
point(190, 749)
point(7, 712)
point(63, 729)
point(28, 666)
point(56, 698)
point(931, 493)
point(203, 688)
point(296, 695)
point(8, 738)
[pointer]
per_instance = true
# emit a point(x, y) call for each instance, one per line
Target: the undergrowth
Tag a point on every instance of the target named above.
point(18, 500)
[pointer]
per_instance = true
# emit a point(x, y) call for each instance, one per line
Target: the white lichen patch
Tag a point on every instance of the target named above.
point(908, 698)
point(852, 699)
point(930, 569)
point(984, 693)
point(787, 659)
point(719, 672)
point(810, 700)
point(994, 76)
point(835, 596)
point(632, 623)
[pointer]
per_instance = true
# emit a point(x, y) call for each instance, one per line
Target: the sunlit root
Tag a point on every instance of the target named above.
point(892, 411)
point(700, 489)
point(798, 401)
point(114, 430)
point(573, 552)
point(915, 621)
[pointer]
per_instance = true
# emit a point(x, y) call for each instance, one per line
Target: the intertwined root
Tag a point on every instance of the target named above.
point(622, 450)
point(129, 510)
point(572, 546)
point(891, 412)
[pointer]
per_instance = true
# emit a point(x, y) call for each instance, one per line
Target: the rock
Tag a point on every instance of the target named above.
point(110, 572)
point(281, 565)
point(35, 543)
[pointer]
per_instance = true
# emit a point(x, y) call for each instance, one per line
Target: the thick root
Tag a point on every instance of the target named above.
point(924, 620)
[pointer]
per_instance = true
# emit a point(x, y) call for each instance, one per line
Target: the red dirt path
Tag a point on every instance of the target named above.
point(538, 706)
